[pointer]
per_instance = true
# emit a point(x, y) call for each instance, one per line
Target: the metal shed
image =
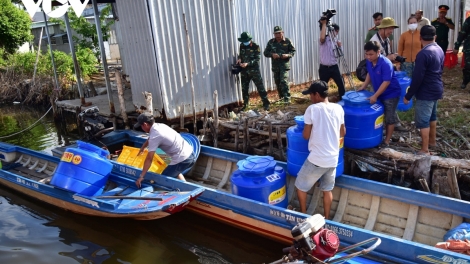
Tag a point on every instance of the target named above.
point(156, 51)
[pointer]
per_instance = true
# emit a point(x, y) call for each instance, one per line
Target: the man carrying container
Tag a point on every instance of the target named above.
point(324, 126)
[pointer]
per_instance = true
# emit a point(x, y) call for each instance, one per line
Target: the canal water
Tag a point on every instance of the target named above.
point(34, 232)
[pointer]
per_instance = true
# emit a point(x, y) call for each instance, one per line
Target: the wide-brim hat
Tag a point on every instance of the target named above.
point(245, 37)
point(387, 22)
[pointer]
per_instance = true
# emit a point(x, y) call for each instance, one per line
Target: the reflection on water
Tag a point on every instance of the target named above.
point(34, 232)
point(45, 135)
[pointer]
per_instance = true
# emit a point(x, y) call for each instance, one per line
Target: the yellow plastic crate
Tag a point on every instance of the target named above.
point(129, 156)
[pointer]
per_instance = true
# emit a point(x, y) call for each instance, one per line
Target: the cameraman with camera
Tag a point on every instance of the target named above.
point(329, 43)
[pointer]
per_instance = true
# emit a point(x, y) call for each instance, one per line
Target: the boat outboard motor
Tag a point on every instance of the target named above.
point(313, 242)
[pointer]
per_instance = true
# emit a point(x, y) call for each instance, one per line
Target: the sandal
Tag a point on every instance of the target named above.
point(419, 153)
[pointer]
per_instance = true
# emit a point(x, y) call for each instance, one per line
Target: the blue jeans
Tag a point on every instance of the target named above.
point(425, 112)
point(176, 169)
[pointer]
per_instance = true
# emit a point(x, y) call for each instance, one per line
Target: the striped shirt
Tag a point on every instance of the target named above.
point(327, 52)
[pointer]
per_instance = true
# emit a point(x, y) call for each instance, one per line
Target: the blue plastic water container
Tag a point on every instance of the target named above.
point(405, 83)
point(84, 170)
point(400, 74)
point(363, 121)
point(297, 149)
point(259, 178)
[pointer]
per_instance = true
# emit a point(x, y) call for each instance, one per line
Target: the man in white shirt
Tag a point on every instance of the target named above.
point(422, 21)
point(324, 126)
point(173, 144)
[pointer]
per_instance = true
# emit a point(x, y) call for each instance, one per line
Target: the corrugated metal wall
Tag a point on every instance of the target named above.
point(299, 19)
point(138, 51)
point(212, 43)
point(155, 47)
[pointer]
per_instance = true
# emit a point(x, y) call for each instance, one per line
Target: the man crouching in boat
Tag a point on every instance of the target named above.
point(164, 137)
point(324, 126)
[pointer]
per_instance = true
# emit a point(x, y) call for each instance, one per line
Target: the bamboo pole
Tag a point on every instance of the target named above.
point(105, 63)
point(216, 117)
point(122, 101)
point(191, 73)
point(75, 61)
point(37, 56)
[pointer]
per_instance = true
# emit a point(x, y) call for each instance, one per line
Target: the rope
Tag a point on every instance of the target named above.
point(28, 128)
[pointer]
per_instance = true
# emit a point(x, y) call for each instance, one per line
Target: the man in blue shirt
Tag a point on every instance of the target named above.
point(385, 83)
point(427, 87)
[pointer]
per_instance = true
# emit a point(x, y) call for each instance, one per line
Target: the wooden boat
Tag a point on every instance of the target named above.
point(29, 172)
point(408, 222)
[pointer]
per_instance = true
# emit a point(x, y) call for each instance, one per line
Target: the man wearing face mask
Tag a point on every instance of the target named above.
point(248, 59)
point(328, 59)
point(385, 29)
point(280, 49)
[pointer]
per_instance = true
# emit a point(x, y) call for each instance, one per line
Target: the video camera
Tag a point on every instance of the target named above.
point(327, 15)
point(400, 59)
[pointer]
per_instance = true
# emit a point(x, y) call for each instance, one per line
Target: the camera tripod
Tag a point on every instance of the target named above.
point(338, 53)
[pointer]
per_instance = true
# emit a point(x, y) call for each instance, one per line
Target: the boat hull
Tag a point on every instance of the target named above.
point(362, 209)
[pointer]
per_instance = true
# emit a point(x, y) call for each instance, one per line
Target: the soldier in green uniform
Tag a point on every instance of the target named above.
point(464, 36)
point(248, 59)
point(280, 50)
point(442, 25)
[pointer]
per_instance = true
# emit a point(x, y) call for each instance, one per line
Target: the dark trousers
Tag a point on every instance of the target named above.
point(466, 69)
point(332, 72)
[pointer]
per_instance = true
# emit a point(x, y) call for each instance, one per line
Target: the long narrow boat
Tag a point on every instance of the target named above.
point(408, 222)
point(30, 172)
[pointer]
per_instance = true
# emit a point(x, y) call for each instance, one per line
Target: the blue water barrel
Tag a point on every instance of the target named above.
point(259, 178)
point(84, 170)
point(363, 121)
point(340, 166)
point(297, 149)
point(405, 83)
point(400, 74)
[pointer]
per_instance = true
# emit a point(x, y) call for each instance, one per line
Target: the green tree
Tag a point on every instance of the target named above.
point(15, 26)
point(88, 36)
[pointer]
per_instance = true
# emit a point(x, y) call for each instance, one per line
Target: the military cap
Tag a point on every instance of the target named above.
point(443, 8)
point(277, 29)
point(245, 37)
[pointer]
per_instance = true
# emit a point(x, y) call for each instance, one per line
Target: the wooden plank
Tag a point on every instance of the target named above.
point(226, 175)
point(392, 220)
point(388, 229)
point(411, 222)
point(291, 191)
point(354, 220)
point(314, 201)
point(208, 169)
point(343, 201)
point(456, 220)
point(373, 212)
